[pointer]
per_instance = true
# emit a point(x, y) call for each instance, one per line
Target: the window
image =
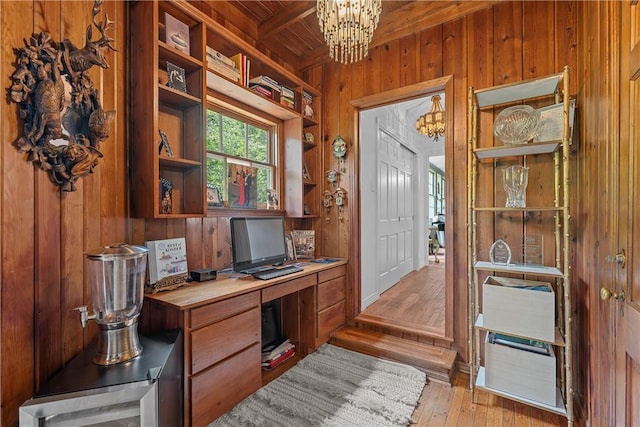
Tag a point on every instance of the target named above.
point(241, 158)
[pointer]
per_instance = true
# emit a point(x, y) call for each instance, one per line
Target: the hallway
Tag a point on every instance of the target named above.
point(417, 300)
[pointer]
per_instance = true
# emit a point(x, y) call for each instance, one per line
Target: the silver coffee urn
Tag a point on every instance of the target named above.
point(116, 277)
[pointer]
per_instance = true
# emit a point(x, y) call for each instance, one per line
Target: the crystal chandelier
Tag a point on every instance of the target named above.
point(348, 27)
point(431, 124)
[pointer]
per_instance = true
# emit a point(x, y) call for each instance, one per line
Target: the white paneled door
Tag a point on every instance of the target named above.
point(396, 165)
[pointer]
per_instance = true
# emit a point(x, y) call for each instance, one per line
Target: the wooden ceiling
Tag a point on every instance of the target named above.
point(290, 30)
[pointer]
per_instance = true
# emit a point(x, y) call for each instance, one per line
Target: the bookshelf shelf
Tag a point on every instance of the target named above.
point(559, 408)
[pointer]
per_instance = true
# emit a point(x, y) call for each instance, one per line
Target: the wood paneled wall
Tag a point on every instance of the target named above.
point(598, 200)
point(45, 231)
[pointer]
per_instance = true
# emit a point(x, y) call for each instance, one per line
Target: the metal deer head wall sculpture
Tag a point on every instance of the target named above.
point(64, 122)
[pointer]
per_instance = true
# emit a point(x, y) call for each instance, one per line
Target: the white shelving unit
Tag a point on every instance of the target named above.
point(540, 93)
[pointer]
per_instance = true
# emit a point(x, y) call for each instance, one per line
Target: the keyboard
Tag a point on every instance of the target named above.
point(276, 272)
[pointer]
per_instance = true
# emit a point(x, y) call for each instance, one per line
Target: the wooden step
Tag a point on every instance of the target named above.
point(383, 324)
point(437, 362)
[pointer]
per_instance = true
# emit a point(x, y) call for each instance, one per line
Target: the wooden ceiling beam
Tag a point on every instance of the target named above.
point(287, 17)
point(421, 15)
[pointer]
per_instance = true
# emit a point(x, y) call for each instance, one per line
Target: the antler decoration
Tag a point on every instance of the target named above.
point(63, 128)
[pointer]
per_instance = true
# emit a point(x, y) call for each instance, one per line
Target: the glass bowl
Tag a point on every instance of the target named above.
point(517, 124)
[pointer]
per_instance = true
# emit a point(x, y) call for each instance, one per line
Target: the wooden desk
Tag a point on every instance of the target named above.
point(221, 321)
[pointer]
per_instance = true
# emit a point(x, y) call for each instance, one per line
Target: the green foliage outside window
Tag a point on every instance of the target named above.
point(231, 139)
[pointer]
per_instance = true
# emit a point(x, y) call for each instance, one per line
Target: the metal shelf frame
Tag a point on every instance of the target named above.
point(554, 88)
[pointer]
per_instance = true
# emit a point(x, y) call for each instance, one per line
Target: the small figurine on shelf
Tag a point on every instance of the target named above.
point(272, 199)
point(166, 188)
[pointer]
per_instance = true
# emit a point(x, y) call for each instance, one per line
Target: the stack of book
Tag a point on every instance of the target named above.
point(261, 90)
point(242, 64)
point(266, 82)
point(222, 65)
point(287, 97)
point(277, 353)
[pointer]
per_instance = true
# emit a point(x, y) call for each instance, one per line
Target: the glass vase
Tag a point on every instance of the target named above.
point(514, 180)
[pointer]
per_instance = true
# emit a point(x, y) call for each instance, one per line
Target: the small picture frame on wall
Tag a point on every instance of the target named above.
point(176, 78)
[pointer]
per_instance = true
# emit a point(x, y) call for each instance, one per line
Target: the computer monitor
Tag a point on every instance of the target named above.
point(257, 242)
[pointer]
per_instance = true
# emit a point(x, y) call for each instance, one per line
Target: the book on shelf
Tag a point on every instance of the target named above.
point(287, 92)
point(224, 70)
point(277, 349)
point(262, 90)
point(242, 63)
point(166, 258)
point(280, 360)
point(266, 81)
point(304, 243)
point(176, 33)
point(287, 97)
point(287, 102)
point(307, 104)
point(213, 54)
point(520, 343)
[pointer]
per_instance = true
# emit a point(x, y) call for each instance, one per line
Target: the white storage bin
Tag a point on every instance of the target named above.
point(510, 308)
point(520, 372)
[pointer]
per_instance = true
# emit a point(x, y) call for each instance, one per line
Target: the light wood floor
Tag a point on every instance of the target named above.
point(417, 300)
point(444, 405)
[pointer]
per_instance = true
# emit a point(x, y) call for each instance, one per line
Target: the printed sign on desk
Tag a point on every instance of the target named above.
point(166, 258)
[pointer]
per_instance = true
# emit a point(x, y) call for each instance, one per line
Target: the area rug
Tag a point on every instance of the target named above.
point(333, 387)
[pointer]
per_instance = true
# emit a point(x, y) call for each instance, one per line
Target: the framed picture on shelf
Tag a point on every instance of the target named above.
point(164, 144)
point(176, 33)
point(176, 78)
point(305, 172)
point(291, 249)
point(214, 198)
point(304, 243)
point(242, 190)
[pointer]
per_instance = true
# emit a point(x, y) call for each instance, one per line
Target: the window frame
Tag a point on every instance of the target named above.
point(249, 115)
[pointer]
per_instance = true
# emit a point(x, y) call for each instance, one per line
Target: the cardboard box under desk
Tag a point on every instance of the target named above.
point(508, 307)
point(520, 372)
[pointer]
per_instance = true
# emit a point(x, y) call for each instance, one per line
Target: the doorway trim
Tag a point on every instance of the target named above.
point(381, 99)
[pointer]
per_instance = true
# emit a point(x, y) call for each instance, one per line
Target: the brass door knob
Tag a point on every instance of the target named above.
point(606, 294)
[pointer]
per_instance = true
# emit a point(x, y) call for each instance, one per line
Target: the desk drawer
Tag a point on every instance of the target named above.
point(222, 339)
point(289, 287)
point(217, 311)
point(219, 388)
point(332, 273)
point(330, 292)
point(329, 320)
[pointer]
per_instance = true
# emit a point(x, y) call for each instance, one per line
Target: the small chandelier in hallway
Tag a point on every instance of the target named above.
point(432, 123)
point(347, 26)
